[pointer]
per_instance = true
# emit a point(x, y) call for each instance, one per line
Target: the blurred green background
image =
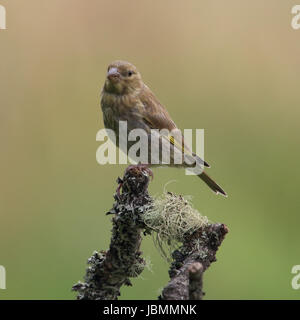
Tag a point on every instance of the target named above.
point(230, 67)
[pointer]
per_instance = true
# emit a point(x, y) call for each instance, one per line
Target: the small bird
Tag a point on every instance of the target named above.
point(125, 97)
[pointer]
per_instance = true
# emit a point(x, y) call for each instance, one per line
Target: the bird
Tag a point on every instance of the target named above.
point(125, 97)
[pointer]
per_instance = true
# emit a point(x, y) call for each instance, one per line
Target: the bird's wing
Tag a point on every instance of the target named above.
point(154, 113)
point(157, 117)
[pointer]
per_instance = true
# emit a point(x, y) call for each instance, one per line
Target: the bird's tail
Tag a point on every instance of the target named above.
point(212, 184)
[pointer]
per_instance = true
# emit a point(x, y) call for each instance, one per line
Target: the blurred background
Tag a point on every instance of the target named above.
point(230, 67)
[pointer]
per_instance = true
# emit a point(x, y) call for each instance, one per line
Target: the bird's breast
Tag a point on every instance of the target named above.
point(118, 108)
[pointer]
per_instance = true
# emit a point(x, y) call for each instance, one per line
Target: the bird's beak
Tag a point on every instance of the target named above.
point(113, 74)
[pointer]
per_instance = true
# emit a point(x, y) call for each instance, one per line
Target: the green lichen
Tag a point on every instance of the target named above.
point(172, 217)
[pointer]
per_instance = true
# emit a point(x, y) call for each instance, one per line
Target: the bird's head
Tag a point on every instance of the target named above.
point(122, 78)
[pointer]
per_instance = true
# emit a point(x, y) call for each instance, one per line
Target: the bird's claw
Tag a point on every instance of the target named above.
point(120, 184)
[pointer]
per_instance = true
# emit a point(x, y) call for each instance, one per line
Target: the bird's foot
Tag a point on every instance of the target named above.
point(138, 167)
point(142, 167)
point(120, 184)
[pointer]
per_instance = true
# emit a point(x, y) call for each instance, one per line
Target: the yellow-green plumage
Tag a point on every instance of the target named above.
point(125, 97)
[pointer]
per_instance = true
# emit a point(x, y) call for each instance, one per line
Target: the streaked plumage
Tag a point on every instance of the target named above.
point(125, 97)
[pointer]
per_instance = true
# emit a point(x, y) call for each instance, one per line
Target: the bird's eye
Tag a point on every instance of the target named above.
point(130, 73)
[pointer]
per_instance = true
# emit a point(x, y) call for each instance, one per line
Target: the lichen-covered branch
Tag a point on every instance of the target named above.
point(171, 218)
point(109, 270)
point(191, 260)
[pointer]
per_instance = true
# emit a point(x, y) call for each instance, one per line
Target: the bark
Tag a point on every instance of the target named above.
point(109, 270)
point(190, 261)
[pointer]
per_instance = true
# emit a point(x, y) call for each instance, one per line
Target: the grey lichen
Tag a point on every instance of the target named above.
point(190, 260)
point(173, 222)
point(172, 217)
point(109, 270)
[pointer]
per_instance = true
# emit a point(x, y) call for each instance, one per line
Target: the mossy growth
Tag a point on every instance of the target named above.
point(172, 217)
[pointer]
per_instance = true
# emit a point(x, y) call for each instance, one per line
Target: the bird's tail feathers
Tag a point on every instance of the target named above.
point(212, 184)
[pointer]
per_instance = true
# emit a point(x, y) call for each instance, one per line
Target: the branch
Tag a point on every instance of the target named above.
point(109, 270)
point(191, 260)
